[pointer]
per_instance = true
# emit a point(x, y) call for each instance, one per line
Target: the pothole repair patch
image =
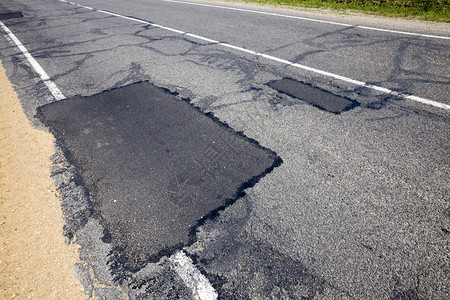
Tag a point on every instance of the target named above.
point(155, 165)
point(10, 15)
point(317, 97)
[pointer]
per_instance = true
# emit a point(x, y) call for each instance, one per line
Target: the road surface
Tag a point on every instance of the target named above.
point(358, 208)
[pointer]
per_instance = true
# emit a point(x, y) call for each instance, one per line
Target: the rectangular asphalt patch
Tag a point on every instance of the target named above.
point(155, 166)
point(10, 15)
point(315, 96)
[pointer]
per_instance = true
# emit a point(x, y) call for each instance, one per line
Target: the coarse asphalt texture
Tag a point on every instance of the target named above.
point(154, 165)
point(359, 208)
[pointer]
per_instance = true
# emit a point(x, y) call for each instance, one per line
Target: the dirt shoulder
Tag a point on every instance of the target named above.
point(348, 16)
point(35, 261)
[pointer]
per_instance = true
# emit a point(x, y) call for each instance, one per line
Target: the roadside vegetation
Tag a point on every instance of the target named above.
point(430, 10)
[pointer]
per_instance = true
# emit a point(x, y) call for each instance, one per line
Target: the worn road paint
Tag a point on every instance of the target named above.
point(200, 286)
point(57, 94)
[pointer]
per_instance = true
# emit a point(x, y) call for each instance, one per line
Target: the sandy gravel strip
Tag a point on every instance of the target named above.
point(35, 261)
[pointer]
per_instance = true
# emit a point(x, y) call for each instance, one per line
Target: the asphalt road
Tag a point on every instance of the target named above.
point(359, 208)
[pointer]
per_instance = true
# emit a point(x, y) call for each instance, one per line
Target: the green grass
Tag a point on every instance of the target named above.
point(430, 10)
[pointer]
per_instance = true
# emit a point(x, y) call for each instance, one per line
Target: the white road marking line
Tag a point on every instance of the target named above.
point(47, 81)
point(309, 19)
point(289, 63)
point(87, 7)
point(405, 32)
point(260, 12)
point(192, 278)
point(72, 3)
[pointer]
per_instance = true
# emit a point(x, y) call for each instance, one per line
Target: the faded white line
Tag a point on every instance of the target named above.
point(72, 3)
point(87, 7)
point(260, 12)
point(44, 76)
point(289, 63)
point(308, 19)
point(405, 32)
point(200, 286)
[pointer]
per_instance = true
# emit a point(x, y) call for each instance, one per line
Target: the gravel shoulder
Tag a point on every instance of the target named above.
point(344, 16)
point(35, 261)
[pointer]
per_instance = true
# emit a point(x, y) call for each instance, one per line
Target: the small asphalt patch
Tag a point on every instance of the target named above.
point(10, 15)
point(317, 97)
point(155, 166)
point(6, 13)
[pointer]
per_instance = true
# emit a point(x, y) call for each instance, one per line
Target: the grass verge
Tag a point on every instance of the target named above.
point(429, 10)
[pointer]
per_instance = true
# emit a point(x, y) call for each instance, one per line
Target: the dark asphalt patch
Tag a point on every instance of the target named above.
point(10, 15)
point(155, 166)
point(317, 97)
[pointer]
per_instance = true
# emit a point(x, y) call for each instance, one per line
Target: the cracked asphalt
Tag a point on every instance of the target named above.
point(359, 209)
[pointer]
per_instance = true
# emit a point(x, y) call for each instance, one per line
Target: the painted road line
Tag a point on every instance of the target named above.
point(309, 19)
point(405, 32)
point(83, 6)
point(260, 12)
point(72, 3)
point(44, 76)
point(286, 62)
point(192, 278)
